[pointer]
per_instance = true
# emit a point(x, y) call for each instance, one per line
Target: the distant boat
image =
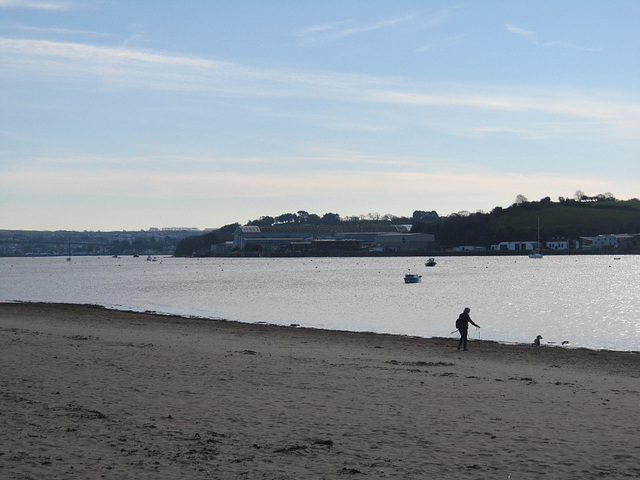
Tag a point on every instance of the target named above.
point(430, 263)
point(537, 253)
point(412, 278)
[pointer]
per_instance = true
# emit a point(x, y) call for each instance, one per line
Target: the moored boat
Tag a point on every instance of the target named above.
point(412, 278)
point(537, 253)
point(430, 262)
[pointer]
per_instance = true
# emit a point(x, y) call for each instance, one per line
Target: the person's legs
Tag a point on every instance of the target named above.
point(463, 338)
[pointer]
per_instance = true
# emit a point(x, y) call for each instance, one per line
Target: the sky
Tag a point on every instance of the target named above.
point(126, 115)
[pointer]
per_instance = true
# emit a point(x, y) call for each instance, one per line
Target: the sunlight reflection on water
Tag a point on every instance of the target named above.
point(591, 301)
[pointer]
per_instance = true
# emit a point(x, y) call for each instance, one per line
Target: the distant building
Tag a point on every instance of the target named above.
point(631, 242)
point(515, 246)
point(558, 245)
point(404, 242)
point(618, 241)
point(251, 235)
point(397, 239)
point(469, 248)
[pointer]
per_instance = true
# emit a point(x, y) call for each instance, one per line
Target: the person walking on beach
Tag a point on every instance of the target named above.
point(462, 324)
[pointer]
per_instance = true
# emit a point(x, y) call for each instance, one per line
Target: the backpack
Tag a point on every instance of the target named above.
point(458, 323)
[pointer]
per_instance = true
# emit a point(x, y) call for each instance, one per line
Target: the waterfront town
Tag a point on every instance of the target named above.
point(391, 240)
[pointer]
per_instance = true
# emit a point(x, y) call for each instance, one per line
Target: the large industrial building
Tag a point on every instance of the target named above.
point(394, 239)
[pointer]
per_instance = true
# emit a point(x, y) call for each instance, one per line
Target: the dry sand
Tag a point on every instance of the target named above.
point(92, 393)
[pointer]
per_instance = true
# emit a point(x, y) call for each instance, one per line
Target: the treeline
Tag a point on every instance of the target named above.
point(305, 218)
point(568, 218)
point(200, 245)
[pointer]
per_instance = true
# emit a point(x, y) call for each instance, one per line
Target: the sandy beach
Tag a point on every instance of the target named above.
point(89, 393)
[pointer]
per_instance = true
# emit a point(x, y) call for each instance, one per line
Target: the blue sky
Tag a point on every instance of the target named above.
point(135, 114)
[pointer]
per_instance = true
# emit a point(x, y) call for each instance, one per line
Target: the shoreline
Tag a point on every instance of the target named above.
point(297, 326)
point(90, 392)
point(426, 254)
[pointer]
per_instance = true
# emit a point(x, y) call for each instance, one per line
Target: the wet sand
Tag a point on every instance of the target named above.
point(88, 393)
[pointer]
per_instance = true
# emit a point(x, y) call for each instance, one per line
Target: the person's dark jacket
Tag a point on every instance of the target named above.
point(463, 322)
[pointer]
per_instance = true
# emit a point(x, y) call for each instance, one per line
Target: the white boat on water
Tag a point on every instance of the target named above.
point(412, 278)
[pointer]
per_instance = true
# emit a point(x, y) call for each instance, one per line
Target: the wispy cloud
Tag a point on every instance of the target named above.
point(120, 66)
point(342, 29)
point(558, 103)
point(540, 130)
point(79, 51)
point(38, 5)
point(319, 29)
point(130, 68)
point(533, 38)
point(521, 132)
point(376, 26)
point(126, 67)
point(56, 31)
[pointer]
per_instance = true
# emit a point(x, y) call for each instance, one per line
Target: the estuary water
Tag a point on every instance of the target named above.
point(589, 301)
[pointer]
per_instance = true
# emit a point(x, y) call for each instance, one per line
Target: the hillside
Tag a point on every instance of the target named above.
point(566, 219)
point(589, 219)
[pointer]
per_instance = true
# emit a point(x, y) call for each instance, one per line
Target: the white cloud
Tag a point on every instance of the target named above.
point(338, 30)
point(376, 26)
point(329, 27)
point(342, 29)
point(130, 68)
point(622, 119)
point(99, 55)
point(56, 31)
point(532, 36)
point(37, 5)
point(126, 67)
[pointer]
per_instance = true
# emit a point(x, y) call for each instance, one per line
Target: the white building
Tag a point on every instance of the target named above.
point(558, 245)
point(514, 246)
point(607, 240)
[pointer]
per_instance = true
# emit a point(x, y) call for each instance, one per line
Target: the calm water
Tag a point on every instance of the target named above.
point(591, 301)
